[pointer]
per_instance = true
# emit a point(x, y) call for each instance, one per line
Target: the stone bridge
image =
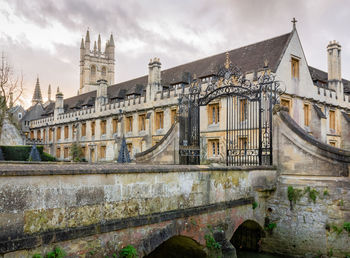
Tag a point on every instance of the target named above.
point(93, 210)
point(86, 208)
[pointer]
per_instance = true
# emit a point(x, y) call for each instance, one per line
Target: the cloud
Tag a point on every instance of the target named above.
point(43, 36)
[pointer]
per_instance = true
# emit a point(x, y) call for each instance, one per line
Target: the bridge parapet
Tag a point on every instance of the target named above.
point(42, 205)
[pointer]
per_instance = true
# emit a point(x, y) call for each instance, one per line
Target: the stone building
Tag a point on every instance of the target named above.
point(143, 109)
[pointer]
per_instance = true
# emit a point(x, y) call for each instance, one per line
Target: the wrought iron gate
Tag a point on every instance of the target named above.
point(248, 134)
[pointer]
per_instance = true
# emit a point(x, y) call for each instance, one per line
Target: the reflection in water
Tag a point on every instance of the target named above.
point(252, 254)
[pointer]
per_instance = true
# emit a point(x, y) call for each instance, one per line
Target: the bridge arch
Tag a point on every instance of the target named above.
point(248, 236)
point(178, 246)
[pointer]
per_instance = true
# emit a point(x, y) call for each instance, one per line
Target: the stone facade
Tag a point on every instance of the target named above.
point(143, 109)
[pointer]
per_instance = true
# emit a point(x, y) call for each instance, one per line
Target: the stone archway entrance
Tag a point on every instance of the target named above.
point(248, 236)
point(178, 246)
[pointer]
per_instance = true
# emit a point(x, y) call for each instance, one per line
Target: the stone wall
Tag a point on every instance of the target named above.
point(85, 208)
point(310, 224)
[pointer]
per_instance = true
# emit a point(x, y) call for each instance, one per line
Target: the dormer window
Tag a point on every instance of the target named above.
point(295, 68)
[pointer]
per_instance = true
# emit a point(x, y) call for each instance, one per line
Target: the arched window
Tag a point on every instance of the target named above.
point(93, 74)
point(104, 72)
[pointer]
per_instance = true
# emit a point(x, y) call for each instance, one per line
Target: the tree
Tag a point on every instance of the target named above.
point(76, 152)
point(11, 85)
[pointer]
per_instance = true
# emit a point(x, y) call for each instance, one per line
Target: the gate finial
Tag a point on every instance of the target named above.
point(227, 62)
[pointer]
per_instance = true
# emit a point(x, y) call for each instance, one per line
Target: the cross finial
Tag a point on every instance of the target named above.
point(294, 21)
point(227, 61)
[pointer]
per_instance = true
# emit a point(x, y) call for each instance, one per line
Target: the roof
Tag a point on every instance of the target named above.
point(320, 79)
point(249, 58)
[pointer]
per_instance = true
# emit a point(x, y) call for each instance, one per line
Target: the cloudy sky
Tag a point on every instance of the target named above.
point(42, 37)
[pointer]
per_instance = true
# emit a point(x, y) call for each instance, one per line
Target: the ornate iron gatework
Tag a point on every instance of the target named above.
point(249, 103)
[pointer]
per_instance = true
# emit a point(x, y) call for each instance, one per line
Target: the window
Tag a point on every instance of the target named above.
point(333, 143)
point(306, 114)
point(243, 109)
point(103, 125)
point(103, 72)
point(58, 133)
point(44, 134)
point(93, 74)
point(295, 68)
point(159, 120)
point(213, 148)
point(19, 115)
point(83, 129)
point(58, 152)
point(115, 125)
point(103, 152)
point(38, 135)
point(142, 122)
point(332, 119)
point(66, 152)
point(286, 103)
point(50, 134)
point(93, 123)
point(66, 132)
point(129, 124)
point(173, 116)
point(83, 151)
point(129, 146)
point(214, 114)
point(32, 135)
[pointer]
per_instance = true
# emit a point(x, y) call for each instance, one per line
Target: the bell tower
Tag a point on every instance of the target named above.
point(96, 64)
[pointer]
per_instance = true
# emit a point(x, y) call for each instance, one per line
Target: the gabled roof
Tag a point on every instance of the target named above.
point(249, 58)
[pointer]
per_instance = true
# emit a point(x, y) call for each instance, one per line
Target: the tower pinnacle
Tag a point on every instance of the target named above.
point(37, 98)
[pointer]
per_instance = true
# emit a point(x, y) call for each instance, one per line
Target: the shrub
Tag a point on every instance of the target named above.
point(254, 205)
point(346, 226)
point(56, 253)
point(18, 153)
point(21, 153)
point(128, 252)
point(294, 195)
point(312, 193)
point(47, 157)
point(76, 152)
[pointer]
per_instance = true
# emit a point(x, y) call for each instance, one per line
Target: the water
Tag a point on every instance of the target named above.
point(252, 254)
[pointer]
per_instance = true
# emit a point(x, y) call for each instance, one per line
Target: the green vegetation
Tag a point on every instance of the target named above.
point(254, 205)
point(56, 253)
point(37, 256)
point(336, 229)
point(313, 193)
point(128, 252)
point(341, 202)
point(271, 226)
point(330, 252)
point(76, 152)
point(294, 195)
point(325, 192)
point(211, 243)
point(21, 153)
point(346, 226)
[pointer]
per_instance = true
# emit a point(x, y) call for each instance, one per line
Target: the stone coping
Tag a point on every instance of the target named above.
point(324, 149)
point(41, 169)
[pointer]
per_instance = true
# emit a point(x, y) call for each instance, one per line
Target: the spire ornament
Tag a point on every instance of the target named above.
point(227, 61)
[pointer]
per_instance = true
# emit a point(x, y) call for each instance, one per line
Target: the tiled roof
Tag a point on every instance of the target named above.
point(249, 59)
point(320, 78)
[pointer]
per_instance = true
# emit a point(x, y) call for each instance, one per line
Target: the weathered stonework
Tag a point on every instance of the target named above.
point(105, 207)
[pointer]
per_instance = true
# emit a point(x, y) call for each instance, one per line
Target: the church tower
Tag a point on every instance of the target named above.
point(95, 64)
point(37, 98)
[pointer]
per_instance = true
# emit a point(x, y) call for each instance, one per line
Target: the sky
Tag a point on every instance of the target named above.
point(42, 37)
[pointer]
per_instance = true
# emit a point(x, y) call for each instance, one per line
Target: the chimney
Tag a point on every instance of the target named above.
point(101, 94)
point(334, 67)
point(59, 108)
point(154, 77)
